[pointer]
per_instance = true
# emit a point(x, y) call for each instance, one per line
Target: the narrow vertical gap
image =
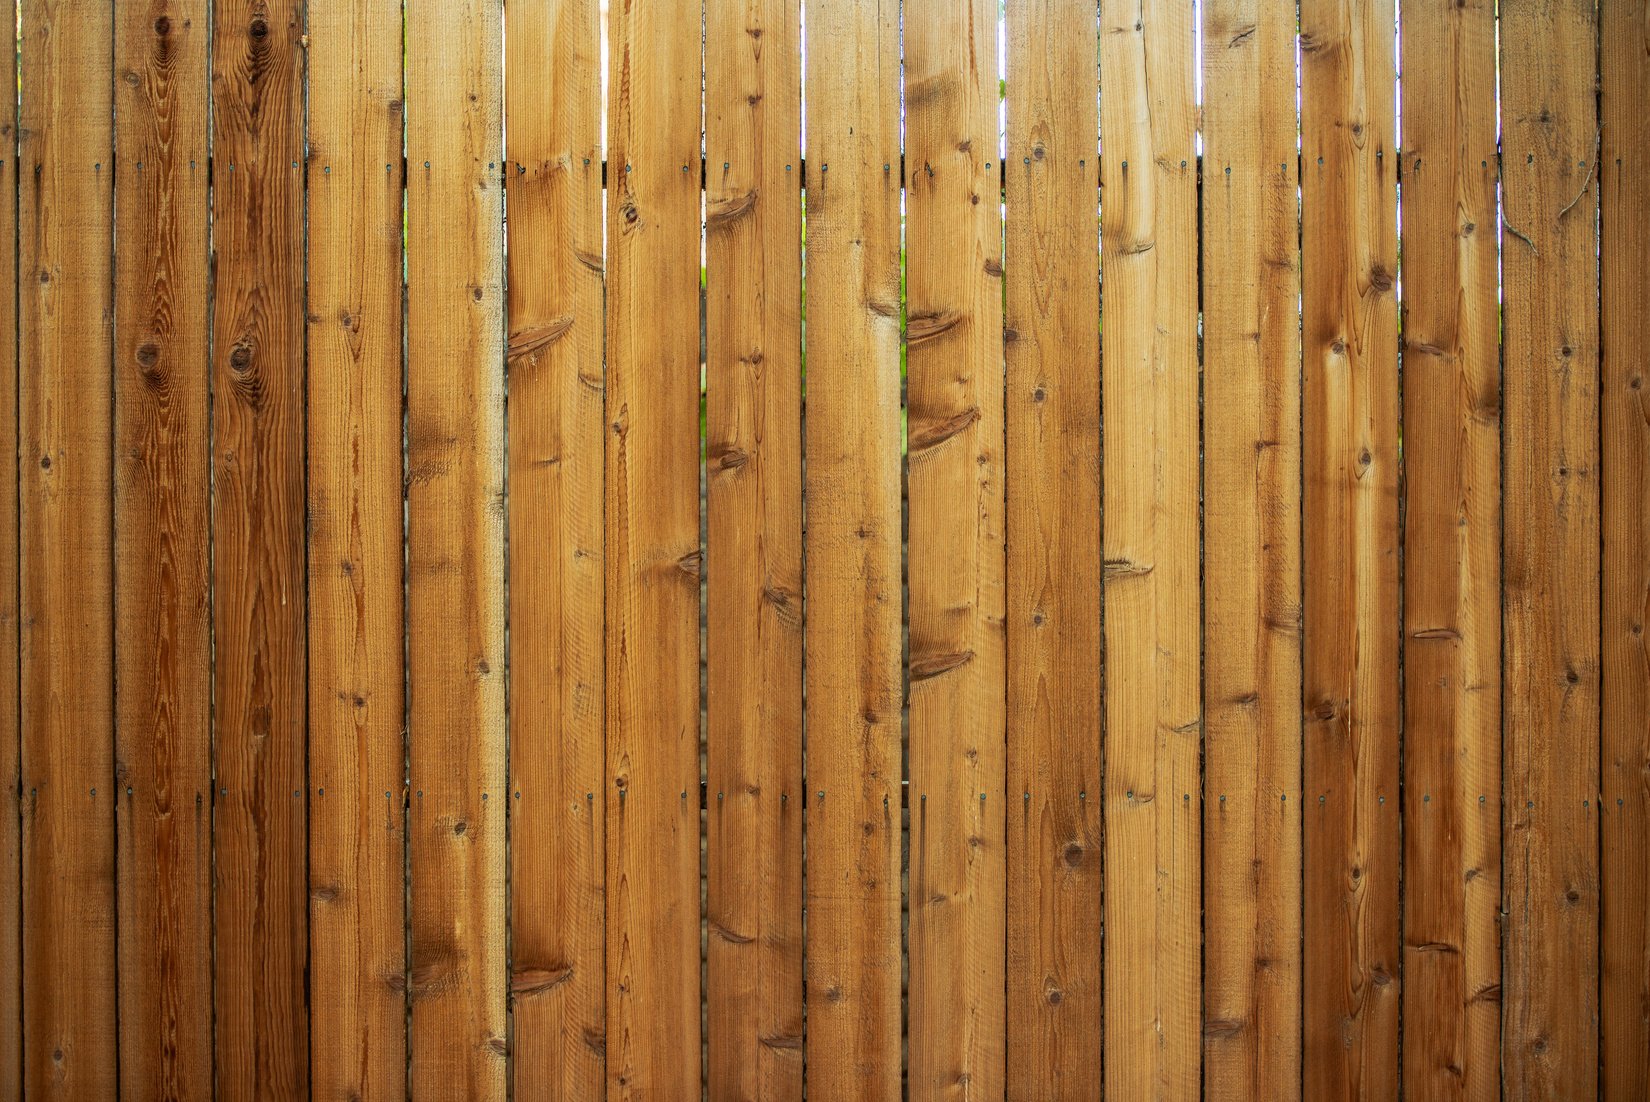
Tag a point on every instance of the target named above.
point(599, 814)
point(702, 652)
point(1596, 256)
point(1198, 95)
point(211, 14)
point(802, 474)
point(114, 559)
point(507, 674)
point(1501, 537)
point(16, 549)
point(1006, 443)
point(1299, 382)
point(302, 57)
point(406, 640)
point(1402, 540)
point(1098, 240)
point(913, 799)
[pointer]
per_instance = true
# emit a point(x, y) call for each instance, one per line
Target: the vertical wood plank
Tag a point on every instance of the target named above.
point(1452, 555)
point(1052, 341)
point(653, 559)
point(753, 227)
point(357, 838)
point(65, 465)
point(554, 192)
point(1252, 553)
point(1551, 612)
point(261, 908)
point(455, 546)
point(1624, 167)
point(852, 440)
point(954, 337)
point(1153, 718)
point(163, 641)
point(1350, 363)
point(11, 742)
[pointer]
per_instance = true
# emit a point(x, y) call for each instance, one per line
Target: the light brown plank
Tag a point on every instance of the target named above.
point(753, 108)
point(357, 835)
point(163, 641)
point(653, 557)
point(455, 546)
point(11, 743)
point(1452, 555)
point(1053, 1026)
point(1624, 167)
point(956, 567)
point(1153, 714)
point(261, 906)
point(554, 192)
point(852, 438)
point(65, 430)
point(1551, 591)
point(1252, 554)
point(1349, 325)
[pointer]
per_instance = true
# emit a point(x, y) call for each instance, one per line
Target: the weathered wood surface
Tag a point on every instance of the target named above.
point(1550, 832)
point(558, 985)
point(1452, 556)
point(753, 342)
point(854, 679)
point(162, 503)
point(1349, 330)
point(65, 433)
point(357, 715)
point(1251, 555)
point(1052, 470)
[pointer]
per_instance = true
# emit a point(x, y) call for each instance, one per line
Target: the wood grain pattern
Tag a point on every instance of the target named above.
point(1452, 555)
point(956, 565)
point(11, 742)
point(65, 464)
point(653, 556)
point(261, 906)
point(1052, 345)
point(455, 547)
point(1551, 580)
point(753, 238)
point(1624, 167)
point(357, 715)
point(163, 612)
point(553, 178)
point(1153, 711)
point(852, 436)
point(1252, 554)
point(1350, 362)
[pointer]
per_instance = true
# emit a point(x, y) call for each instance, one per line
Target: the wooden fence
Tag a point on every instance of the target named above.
point(1213, 660)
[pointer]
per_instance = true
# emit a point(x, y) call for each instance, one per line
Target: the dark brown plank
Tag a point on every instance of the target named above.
point(163, 641)
point(261, 904)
